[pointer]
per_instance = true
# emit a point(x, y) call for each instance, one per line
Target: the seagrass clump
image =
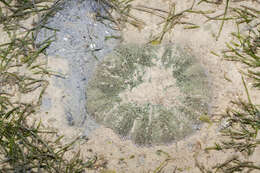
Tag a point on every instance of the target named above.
point(150, 94)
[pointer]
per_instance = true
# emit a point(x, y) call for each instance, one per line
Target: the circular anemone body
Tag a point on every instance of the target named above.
point(150, 94)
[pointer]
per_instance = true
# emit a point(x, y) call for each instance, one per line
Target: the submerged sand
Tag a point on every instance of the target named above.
point(122, 155)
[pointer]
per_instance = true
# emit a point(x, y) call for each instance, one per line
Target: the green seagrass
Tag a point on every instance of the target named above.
point(153, 117)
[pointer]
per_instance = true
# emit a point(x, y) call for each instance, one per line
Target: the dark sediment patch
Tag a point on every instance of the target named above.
point(80, 38)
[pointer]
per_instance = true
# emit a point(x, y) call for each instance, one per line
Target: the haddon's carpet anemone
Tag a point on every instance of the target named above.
point(150, 94)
